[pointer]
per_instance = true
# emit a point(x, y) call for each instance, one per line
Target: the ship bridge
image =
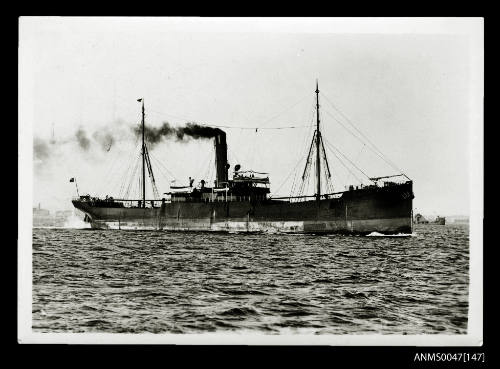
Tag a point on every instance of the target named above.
point(249, 182)
point(244, 186)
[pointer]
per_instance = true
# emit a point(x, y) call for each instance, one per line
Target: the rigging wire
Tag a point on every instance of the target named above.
point(305, 150)
point(310, 153)
point(204, 163)
point(209, 165)
point(345, 166)
point(360, 140)
point(326, 184)
point(151, 175)
point(111, 166)
point(326, 169)
point(163, 175)
point(136, 173)
point(126, 175)
point(164, 167)
point(292, 171)
point(112, 185)
point(284, 111)
point(338, 175)
point(357, 158)
point(307, 170)
point(160, 173)
point(233, 154)
point(349, 160)
point(306, 183)
point(117, 183)
point(139, 188)
point(132, 178)
point(211, 174)
point(241, 127)
point(373, 147)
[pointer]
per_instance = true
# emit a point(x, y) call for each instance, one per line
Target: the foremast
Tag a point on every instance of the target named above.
point(146, 162)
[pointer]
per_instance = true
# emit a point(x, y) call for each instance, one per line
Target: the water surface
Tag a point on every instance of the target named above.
point(152, 281)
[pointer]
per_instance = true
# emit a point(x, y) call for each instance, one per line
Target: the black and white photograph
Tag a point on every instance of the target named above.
point(255, 181)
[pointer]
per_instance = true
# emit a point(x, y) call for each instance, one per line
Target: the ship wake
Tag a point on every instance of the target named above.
point(75, 222)
point(377, 234)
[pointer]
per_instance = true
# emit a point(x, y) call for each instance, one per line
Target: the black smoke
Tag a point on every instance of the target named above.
point(82, 139)
point(44, 150)
point(41, 149)
point(105, 139)
point(190, 131)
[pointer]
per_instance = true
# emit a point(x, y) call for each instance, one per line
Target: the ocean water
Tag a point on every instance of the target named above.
point(144, 281)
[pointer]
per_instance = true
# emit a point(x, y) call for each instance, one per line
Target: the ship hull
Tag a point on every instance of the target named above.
point(383, 210)
point(362, 226)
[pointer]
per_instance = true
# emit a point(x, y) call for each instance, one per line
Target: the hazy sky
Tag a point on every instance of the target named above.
point(409, 87)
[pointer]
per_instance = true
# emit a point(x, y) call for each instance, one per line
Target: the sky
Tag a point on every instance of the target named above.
point(409, 87)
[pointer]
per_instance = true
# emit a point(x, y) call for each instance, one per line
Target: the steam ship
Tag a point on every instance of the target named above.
point(243, 203)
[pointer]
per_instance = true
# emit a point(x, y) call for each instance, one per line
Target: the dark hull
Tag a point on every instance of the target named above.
point(381, 209)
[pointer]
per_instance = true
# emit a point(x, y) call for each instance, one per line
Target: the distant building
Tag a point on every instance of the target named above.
point(39, 212)
point(440, 220)
point(419, 219)
point(64, 213)
point(42, 217)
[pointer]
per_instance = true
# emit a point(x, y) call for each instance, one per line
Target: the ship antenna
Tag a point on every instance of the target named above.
point(318, 138)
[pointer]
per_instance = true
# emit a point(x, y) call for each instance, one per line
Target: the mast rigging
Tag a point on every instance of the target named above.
point(318, 138)
point(143, 160)
point(318, 145)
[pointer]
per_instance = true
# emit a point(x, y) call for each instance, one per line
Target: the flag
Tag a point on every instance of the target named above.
point(72, 179)
point(139, 100)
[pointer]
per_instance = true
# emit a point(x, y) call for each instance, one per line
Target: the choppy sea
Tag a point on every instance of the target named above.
point(145, 281)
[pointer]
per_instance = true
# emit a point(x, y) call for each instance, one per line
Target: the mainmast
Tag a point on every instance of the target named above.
point(318, 138)
point(317, 141)
point(143, 160)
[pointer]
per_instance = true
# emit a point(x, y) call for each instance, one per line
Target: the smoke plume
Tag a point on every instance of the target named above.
point(41, 150)
point(190, 131)
point(83, 141)
point(44, 151)
point(104, 138)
